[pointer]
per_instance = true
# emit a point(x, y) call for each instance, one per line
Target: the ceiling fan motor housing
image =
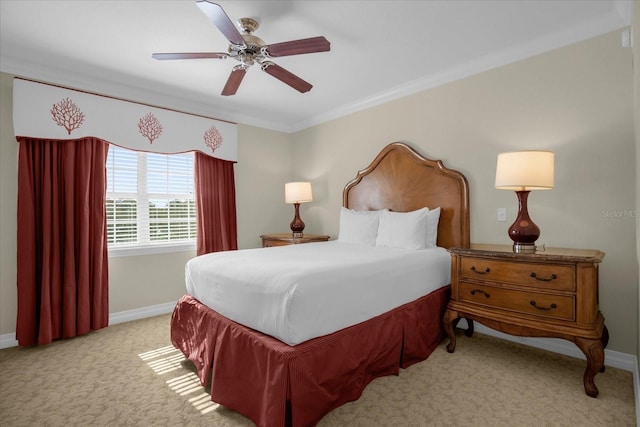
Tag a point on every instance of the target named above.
point(252, 51)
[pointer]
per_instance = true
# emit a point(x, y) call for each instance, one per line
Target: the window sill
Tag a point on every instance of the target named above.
point(150, 250)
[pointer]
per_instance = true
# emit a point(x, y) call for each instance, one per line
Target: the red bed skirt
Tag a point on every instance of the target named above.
point(275, 384)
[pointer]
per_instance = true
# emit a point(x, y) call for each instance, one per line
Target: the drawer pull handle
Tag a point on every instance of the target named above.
point(486, 270)
point(543, 279)
point(473, 292)
point(553, 305)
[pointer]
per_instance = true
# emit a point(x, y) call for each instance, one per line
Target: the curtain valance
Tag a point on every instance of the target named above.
point(47, 111)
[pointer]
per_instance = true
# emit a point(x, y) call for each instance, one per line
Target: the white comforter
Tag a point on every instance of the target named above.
point(299, 292)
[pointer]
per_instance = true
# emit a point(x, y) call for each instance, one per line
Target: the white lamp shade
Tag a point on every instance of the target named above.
point(297, 192)
point(525, 170)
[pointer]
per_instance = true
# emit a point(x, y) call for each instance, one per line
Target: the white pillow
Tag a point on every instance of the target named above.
point(359, 226)
point(433, 217)
point(407, 230)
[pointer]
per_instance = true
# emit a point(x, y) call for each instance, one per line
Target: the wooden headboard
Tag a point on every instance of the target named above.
point(401, 180)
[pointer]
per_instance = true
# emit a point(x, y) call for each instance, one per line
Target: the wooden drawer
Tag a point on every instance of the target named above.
point(544, 305)
point(270, 243)
point(544, 276)
point(285, 239)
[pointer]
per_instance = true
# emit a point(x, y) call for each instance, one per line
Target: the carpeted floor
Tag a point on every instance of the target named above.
point(130, 375)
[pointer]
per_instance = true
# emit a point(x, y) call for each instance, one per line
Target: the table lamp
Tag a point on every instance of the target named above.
point(296, 193)
point(524, 171)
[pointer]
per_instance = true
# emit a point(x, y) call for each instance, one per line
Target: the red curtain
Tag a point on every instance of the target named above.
point(216, 204)
point(62, 272)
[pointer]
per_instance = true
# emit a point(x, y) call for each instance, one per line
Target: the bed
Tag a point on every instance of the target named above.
point(294, 378)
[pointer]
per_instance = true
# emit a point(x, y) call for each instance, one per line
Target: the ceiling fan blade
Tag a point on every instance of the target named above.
point(234, 80)
point(286, 77)
point(297, 47)
point(190, 55)
point(217, 15)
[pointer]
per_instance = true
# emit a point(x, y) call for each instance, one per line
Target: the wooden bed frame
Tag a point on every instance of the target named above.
point(275, 384)
point(402, 180)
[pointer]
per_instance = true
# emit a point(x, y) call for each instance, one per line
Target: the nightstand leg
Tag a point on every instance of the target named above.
point(594, 351)
point(469, 331)
point(448, 322)
point(605, 336)
point(605, 341)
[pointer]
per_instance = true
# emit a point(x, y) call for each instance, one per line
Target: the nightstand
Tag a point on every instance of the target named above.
point(284, 239)
point(551, 293)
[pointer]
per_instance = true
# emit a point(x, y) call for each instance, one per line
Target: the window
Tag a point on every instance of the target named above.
point(150, 201)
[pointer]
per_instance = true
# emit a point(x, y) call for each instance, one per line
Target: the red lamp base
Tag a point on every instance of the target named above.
point(523, 231)
point(297, 226)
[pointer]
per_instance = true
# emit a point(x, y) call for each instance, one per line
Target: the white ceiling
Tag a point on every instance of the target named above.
point(380, 50)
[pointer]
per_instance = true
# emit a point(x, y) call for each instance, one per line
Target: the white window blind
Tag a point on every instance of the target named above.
point(150, 199)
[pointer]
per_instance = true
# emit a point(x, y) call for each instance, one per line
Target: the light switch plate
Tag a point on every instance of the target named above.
point(502, 214)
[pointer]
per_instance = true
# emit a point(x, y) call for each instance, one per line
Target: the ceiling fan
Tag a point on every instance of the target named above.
point(249, 50)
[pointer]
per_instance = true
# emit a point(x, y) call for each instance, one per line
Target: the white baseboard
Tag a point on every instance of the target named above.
point(636, 386)
point(141, 313)
point(615, 359)
point(9, 340)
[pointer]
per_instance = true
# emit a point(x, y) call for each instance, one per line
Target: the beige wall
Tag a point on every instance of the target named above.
point(264, 166)
point(8, 206)
point(636, 90)
point(576, 101)
point(146, 280)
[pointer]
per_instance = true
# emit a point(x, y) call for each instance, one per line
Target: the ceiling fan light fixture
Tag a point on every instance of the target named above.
point(246, 60)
